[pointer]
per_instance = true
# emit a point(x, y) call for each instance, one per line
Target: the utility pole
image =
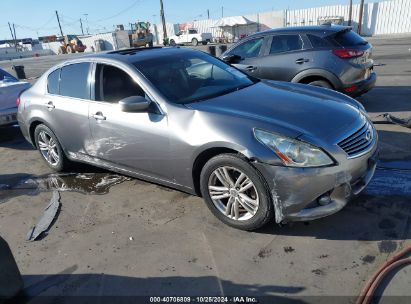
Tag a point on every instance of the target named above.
point(208, 14)
point(360, 18)
point(81, 25)
point(163, 19)
point(15, 37)
point(350, 14)
point(58, 20)
point(222, 12)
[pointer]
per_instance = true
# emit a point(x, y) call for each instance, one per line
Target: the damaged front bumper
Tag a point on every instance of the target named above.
point(304, 194)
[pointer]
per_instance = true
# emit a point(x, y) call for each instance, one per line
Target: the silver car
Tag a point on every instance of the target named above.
point(254, 150)
point(10, 89)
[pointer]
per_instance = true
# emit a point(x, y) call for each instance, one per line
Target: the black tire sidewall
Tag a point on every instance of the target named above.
point(265, 210)
point(62, 163)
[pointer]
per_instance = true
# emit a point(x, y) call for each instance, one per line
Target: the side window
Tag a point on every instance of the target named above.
point(113, 84)
point(74, 80)
point(248, 49)
point(53, 82)
point(318, 42)
point(285, 43)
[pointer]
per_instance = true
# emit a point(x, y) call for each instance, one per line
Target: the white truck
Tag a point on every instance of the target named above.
point(190, 36)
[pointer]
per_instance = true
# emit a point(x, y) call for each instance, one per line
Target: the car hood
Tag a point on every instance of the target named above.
point(296, 108)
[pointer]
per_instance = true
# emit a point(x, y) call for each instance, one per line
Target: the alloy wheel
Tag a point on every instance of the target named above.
point(233, 193)
point(48, 148)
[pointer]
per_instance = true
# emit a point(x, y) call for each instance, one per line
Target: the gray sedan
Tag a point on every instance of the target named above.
point(254, 150)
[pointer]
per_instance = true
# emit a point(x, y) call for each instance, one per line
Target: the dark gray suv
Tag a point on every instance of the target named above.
point(328, 56)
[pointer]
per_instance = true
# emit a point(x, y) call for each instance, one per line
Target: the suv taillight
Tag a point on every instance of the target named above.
point(18, 101)
point(347, 53)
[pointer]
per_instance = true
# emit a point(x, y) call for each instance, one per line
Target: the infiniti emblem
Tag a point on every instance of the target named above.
point(368, 135)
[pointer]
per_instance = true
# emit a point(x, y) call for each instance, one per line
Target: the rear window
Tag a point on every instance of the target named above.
point(318, 42)
point(349, 38)
point(285, 43)
point(53, 82)
point(74, 80)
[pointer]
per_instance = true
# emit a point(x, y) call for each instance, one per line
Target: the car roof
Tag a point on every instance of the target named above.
point(139, 54)
point(319, 30)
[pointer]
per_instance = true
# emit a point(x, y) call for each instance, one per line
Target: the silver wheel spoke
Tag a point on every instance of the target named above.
point(246, 186)
point(228, 177)
point(228, 210)
point(246, 206)
point(221, 178)
point(54, 155)
point(239, 180)
point(248, 200)
point(236, 209)
point(44, 138)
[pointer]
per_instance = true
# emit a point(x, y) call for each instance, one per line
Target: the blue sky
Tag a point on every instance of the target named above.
point(37, 17)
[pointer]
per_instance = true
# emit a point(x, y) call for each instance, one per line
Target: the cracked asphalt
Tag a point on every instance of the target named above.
point(122, 236)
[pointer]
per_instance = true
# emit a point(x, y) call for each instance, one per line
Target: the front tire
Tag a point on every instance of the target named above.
point(172, 42)
point(236, 193)
point(194, 42)
point(50, 148)
point(204, 42)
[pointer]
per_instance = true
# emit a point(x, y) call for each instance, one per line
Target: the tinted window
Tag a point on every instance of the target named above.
point(53, 82)
point(192, 31)
point(349, 38)
point(74, 80)
point(113, 84)
point(317, 42)
point(248, 49)
point(285, 43)
point(186, 77)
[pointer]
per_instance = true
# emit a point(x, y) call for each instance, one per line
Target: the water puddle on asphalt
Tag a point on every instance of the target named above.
point(14, 185)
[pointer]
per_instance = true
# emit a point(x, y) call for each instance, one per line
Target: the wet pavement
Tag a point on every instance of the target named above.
point(120, 236)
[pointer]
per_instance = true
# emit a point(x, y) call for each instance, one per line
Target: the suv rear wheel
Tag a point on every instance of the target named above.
point(235, 192)
point(321, 83)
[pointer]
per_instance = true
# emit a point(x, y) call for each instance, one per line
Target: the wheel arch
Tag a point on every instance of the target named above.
point(204, 156)
point(310, 75)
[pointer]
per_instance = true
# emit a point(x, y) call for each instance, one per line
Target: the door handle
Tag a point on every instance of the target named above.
point(50, 105)
point(301, 60)
point(251, 68)
point(99, 116)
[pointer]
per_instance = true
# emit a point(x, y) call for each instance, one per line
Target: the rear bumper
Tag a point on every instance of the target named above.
point(296, 192)
point(8, 117)
point(361, 87)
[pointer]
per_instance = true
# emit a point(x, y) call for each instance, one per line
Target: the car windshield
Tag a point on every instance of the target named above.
point(6, 77)
point(185, 77)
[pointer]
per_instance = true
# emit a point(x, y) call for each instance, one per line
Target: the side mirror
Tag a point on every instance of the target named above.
point(134, 104)
point(232, 58)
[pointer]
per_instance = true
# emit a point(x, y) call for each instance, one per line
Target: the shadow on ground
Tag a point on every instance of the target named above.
point(83, 288)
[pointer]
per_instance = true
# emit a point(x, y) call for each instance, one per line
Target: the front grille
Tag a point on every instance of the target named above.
point(359, 141)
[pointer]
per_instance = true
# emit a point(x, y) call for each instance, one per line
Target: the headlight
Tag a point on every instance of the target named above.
point(293, 152)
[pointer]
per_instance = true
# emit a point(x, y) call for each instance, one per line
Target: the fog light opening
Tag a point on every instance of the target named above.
point(324, 199)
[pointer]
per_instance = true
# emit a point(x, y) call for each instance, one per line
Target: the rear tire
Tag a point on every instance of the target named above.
point(194, 42)
point(50, 149)
point(321, 83)
point(204, 42)
point(172, 42)
point(251, 205)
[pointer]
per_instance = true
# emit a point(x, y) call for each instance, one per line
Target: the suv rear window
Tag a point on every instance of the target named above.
point(285, 43)
point(349, 38)
point(318, 42)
